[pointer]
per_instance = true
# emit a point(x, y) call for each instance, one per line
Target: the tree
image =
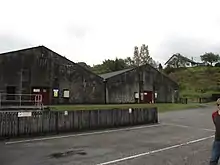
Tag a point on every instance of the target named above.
point(110, 66)
point(119, 64)
point(210, 58)
point(142, 57)
point(136, 57)
point(168, 69)
point(129, 61)
point(83, 64)
point(155, 64)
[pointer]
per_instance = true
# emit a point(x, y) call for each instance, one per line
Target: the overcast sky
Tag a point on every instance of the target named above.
point(95, 30)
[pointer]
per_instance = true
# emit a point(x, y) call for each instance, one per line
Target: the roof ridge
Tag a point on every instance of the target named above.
point(115, 73)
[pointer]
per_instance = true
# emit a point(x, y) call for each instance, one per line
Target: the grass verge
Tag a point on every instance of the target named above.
point(162, 107)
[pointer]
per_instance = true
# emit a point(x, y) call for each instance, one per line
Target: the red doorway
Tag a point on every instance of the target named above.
point(148, 96)
point(42, 91)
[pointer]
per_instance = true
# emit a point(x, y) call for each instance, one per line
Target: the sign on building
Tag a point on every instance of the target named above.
point(24, 114)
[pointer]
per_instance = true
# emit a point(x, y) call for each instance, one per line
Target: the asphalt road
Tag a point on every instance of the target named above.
point(182, 137)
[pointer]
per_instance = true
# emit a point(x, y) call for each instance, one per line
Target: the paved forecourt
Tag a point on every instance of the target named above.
point(182, 137)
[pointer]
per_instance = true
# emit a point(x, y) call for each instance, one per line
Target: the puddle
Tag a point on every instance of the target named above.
point(68, 153)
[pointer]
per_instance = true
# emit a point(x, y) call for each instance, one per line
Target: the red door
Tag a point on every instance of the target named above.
point(45, 96)
point(148, 96)
point(44, 92)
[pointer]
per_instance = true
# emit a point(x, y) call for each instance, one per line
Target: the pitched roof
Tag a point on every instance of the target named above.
point(185, 58)
point(111, 74)
point(44, 47)
point(19, 50)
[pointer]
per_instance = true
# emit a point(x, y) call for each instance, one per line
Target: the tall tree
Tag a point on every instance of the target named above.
point(129, 61)
point(210, 58)
point(136, 57)
point(143, 57)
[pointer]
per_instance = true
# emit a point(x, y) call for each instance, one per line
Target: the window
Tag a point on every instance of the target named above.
point(136, 95)
point(11, 92)
point(55, 92)
point(66, 93)
point(155, 94)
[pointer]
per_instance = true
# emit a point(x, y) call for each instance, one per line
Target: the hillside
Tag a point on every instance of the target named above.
point(197, 81)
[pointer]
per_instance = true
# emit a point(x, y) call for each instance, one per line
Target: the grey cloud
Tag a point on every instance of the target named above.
point(11, 42)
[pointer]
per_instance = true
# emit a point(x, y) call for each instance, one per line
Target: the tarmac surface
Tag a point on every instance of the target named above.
point(181, 137)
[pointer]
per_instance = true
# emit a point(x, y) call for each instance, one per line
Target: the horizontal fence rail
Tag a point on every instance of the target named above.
point(15, 124)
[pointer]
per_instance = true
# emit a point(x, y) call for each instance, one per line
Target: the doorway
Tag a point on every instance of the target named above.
point(148, 96)
point(42, 91)
point(10, 90)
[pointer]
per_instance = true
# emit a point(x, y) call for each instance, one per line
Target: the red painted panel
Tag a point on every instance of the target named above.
point(44, 92)
point(148, 96)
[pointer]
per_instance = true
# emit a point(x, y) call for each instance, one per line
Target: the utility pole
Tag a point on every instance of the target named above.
point(137, 56)
point(139, 83)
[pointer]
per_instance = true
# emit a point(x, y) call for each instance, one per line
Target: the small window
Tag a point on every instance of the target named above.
point(55, 93)
point(66, 94)
point(136, 95)
point(155, 94)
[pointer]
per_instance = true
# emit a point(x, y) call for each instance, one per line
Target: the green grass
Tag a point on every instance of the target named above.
point(163, 107)
point(197, 82)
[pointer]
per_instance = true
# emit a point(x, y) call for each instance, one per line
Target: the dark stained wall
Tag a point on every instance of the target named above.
point(45, 68)
point(121, 88)
point(22, 68)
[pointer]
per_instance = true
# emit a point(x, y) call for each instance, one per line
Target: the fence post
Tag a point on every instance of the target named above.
point(56, 122)
point(0, 100)
point(18, 125)
point(20, 99)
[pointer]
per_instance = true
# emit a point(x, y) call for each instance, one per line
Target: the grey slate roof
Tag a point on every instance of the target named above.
point(111, 74)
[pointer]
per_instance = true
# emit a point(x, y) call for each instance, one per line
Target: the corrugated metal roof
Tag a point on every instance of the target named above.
point(111, 74)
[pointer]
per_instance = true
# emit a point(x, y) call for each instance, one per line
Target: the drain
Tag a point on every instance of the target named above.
point(68, 153)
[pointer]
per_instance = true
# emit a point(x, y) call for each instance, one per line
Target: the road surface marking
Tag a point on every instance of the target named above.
point(83, 134)
point(186, 126)
point(155, 151)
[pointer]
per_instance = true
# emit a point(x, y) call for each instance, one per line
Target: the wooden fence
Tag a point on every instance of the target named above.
point(15, 124)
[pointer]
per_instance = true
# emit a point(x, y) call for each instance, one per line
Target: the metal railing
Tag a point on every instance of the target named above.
point(20, 100)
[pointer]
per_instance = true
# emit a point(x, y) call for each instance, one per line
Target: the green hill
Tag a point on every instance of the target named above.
point(197, 82)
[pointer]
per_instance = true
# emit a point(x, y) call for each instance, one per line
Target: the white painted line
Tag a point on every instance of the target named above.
point(155, 151)
point(186, 126)
point(83, 134)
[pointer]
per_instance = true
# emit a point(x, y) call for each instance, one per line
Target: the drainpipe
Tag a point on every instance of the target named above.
point(139, 84)
point(105, 100)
